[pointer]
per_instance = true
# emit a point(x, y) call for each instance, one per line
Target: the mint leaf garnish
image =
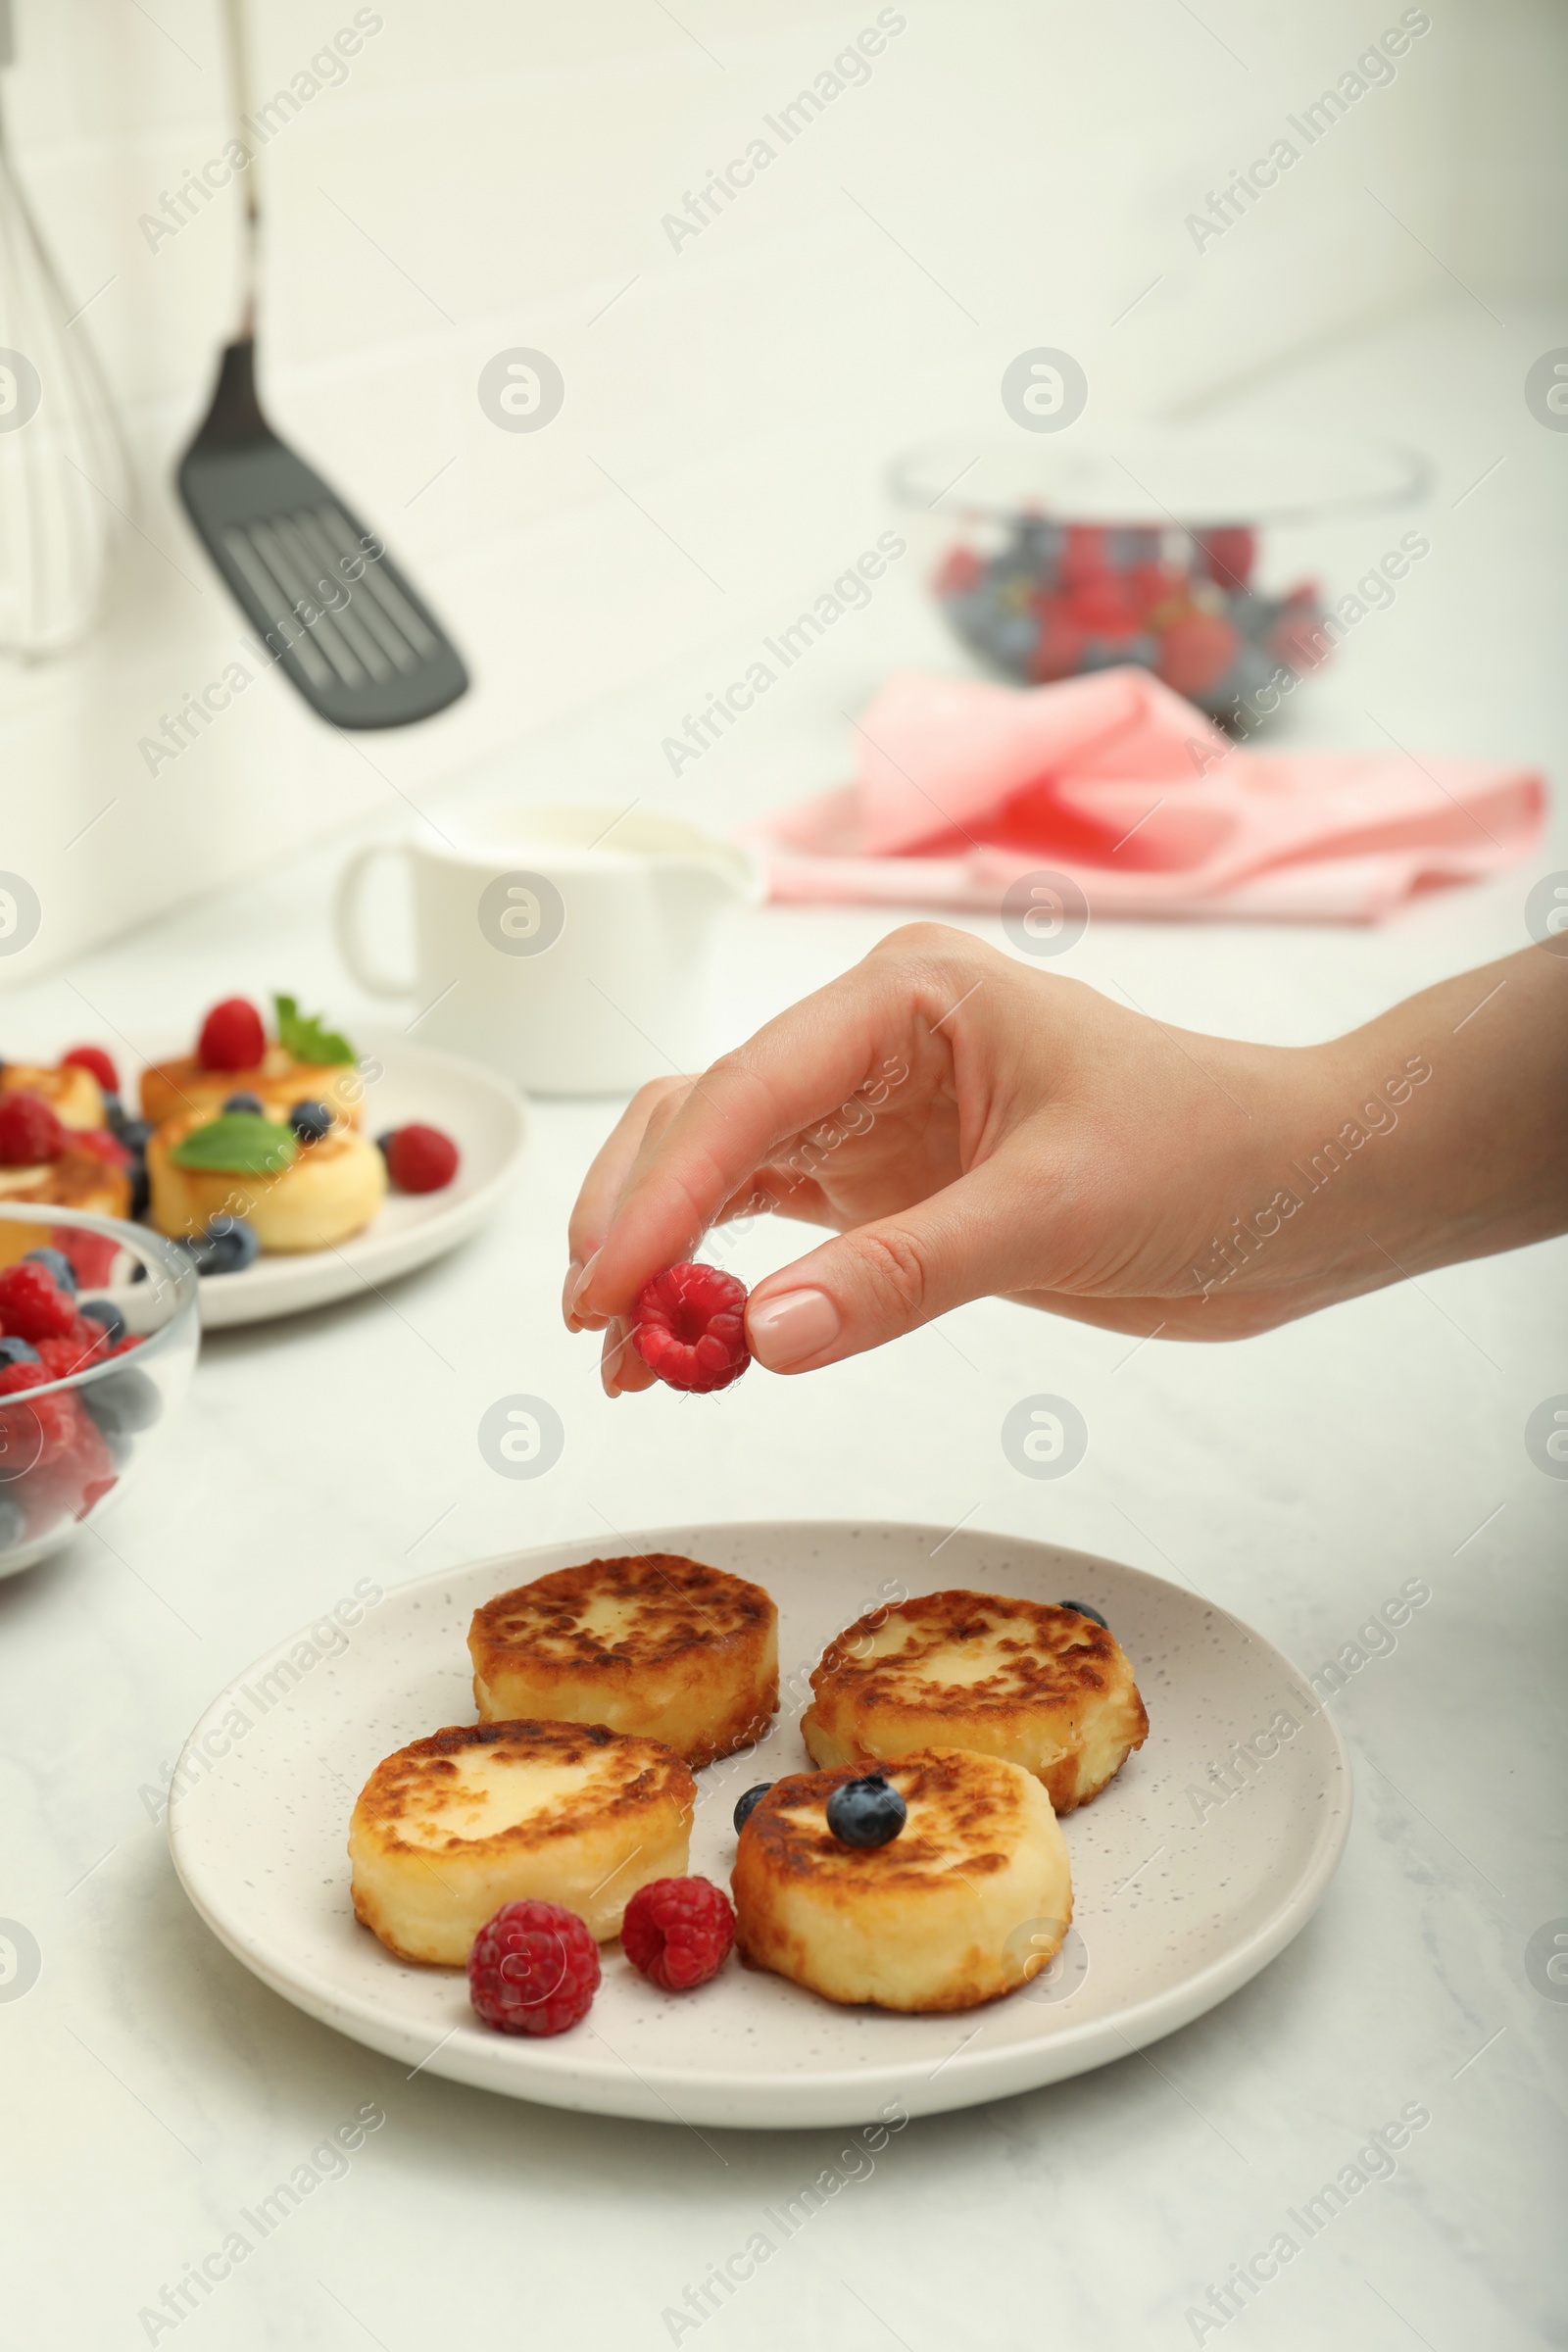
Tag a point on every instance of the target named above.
point(239, 1142)
point(302, 1035)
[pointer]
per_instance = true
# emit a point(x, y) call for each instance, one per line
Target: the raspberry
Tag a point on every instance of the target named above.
point(1083, 555)
point(961, 569)
point(1196, 651)
point(421, 1160)
point(54, 1457)
point(104, 1145)
point(677, 1932)
point(85, 1343)
point(691, 1328)
point(533, 1969)
point(93, 1254)
point(36, 1432)
point(87, 1472)
point(30, 1132)
point(94, 1058)
point(1229, 555)
point(233, 1037)
point(32, 1305)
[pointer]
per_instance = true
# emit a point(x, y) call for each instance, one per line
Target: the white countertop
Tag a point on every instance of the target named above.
point(154, 2088)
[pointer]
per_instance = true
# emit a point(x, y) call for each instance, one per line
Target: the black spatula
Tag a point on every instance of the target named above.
point(344, 624)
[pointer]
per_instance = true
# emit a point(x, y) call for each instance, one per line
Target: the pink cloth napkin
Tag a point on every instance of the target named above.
point(963, 786)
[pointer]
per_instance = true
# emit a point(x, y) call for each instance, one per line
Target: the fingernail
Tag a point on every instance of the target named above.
point(568, 1288)
point(584, 1278)
point(787, 1330)
point(609, 1357)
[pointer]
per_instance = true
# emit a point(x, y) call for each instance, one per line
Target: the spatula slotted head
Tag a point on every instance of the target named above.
point(344, 624)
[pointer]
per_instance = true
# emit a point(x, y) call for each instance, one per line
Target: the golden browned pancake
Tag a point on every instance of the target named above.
point(1042, 1685)
point(652, 1643)
point(73, 1095)
point(173, 1089)
point(973, 1896)
point(77, 1178)
point(451, 1827)
point(328, 1191)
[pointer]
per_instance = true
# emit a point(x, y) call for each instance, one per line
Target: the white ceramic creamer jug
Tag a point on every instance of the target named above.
point(572, 947)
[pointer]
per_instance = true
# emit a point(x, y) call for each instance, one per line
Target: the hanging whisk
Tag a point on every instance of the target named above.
point(63, 473)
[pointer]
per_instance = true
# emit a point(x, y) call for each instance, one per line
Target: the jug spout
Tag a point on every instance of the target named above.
point(723, 875)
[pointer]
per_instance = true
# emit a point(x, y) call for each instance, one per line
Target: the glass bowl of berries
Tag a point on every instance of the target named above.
point(99, 1327)
point(1061, 551)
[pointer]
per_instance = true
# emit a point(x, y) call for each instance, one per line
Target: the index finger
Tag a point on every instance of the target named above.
point(792, 1074)
point(602, 1187)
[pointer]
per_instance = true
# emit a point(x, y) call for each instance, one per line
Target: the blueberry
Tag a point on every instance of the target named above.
point(310, 1121)
point(12, 1524)
point(122, 1401)
point(99, 1310)
point(384, 1143)
point(1084, 1610)
point(244, 1101)
point(228, 1247)
point(57, 1263)
point(17, 1351)
point(746, 1805)
point(136, 1134)
point(866, 1812)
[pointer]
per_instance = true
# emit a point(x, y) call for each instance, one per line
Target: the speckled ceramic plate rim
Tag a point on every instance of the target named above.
point(290, 1285)
point(548, 2072)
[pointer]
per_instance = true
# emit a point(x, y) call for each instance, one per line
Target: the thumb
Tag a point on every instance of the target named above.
point(884, 1279)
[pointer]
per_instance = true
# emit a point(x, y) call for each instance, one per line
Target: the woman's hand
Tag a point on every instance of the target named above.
point(967, 1125)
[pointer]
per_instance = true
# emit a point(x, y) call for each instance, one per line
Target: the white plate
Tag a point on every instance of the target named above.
point(1173, 1911)
point(486, 1118)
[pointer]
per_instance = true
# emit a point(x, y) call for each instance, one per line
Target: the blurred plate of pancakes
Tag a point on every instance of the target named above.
point(486, 1117)
point(1192, 1870)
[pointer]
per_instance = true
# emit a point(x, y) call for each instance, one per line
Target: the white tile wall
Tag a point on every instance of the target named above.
point(494, 173)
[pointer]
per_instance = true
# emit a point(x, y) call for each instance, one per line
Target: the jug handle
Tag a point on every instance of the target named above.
point(348, 918)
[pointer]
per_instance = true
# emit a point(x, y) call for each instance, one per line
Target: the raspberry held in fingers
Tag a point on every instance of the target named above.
point(691, 1328)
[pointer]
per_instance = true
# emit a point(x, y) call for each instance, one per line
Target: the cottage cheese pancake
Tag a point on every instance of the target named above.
point(328, 1192)
point(182, 1087)
point(970, 1899)
point(451, 1827)
point(72, 1093)
point(652, 1643)
point(1044, 1687)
